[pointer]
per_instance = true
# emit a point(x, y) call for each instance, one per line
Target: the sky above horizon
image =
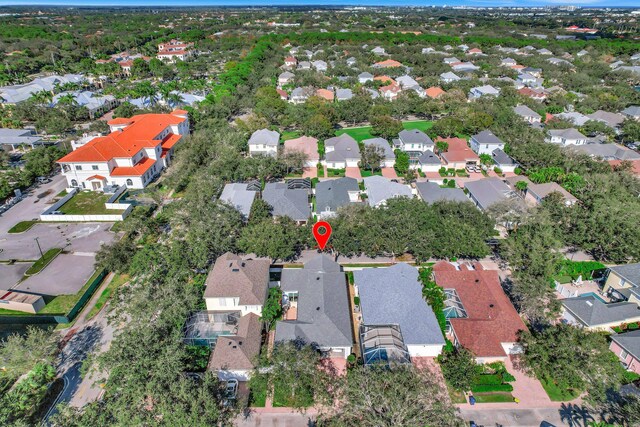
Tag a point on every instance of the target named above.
point(476, 3)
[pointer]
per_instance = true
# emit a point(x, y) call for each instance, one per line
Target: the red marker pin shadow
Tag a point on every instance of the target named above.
point(322, 237)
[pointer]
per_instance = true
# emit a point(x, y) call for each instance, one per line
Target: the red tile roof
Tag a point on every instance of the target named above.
point(127, 142)
point(458, 151)
point(388, 63)
point(491, 318)
point(137, 170)
point(384, 79)
point(434, 92)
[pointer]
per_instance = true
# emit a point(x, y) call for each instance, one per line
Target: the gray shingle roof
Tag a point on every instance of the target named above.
point(432, 192)
point(629, 272)
point(502, 158)
point(237, 195)
point(380, 189)
point(570, 133)
point(630, 341)
point(488, 191)
point(293, 203)
point(633, 110)
point(429, 158)
point(524, 111)
point(345, 147)
point(18, 136)
point(324, 315)
point(414, 136)
point(591, 311)
point(487, 137)
point(382, 143)
point(265, 136)
point(608, 151)
point(232, 276)
point(393, 295)
point(334, 193)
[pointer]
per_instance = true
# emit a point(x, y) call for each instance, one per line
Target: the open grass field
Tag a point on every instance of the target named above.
point(86, 203)
point(362, 133)
point(493, 397)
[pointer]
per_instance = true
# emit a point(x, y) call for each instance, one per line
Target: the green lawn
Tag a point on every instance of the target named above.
point(367, 172)
point(87, 203)
point(422, 125)
point(556, 393)
point(43, 261)
point(4, 311)
point(362, 133)
point(282, 397)
point(22, 226)
point(493, 397)
point(106, 294)
point(289, 134)
point(455, 395)
point(62, 304)
point(335, 172)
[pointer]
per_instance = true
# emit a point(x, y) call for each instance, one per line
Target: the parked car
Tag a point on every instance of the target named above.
point(43, 179)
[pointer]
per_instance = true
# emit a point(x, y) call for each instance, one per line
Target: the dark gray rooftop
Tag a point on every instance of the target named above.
point(428, 158)
point(630, 341)
point(591, 311)
point(502, 158)
point(432, 192)
point(414, 136)
point(393, 295)
point(237, 195)
point(324, 315)
point(629, 272)
point(334, 193)
point(487, 137)
point(293, 203)
point(382, 143)
point(488, 191)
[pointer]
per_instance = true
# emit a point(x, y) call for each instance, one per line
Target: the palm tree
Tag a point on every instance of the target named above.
point(42, 97)
point(174, 99)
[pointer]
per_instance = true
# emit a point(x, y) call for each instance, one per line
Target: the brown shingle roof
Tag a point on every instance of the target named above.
point(231, 276)
point(238, 352)
point(492, 319)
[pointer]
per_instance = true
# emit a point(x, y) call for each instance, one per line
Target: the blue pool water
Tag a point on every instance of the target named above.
point(592, 294)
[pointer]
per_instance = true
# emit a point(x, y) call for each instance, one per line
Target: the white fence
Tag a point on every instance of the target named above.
point(123, 208)
point(566, 293)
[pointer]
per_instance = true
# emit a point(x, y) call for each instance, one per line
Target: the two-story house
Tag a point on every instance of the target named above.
point(237, 284)
point(485, 142)
point(264, 142)
point(133, 154)
point(565, 137)
point(414, 142)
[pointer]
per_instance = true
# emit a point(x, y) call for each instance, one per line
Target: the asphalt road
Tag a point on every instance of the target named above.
point(90, 336)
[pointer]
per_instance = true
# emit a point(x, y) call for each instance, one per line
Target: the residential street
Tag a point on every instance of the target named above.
point(86, 337)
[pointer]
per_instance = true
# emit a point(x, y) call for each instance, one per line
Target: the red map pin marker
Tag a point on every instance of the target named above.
point(322, 237)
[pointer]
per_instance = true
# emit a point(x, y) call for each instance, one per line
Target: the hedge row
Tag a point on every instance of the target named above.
point(480, 388)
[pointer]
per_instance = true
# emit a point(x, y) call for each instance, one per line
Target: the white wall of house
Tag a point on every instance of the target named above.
point(484, 148)
point(426, 350)
point(231, 304)
point(263, 149)
point(564, 141)
point(428, 168)
point(336, 352)
point(388, 163)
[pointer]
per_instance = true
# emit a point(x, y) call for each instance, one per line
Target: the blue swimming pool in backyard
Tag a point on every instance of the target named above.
point(592, 294)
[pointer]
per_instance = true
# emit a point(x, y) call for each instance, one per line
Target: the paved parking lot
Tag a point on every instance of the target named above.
point(32, 205)
point(10, 274)
point(72, 237)
point(65, 275)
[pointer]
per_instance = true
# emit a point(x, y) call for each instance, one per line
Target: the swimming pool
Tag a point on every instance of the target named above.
point(592, 294)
